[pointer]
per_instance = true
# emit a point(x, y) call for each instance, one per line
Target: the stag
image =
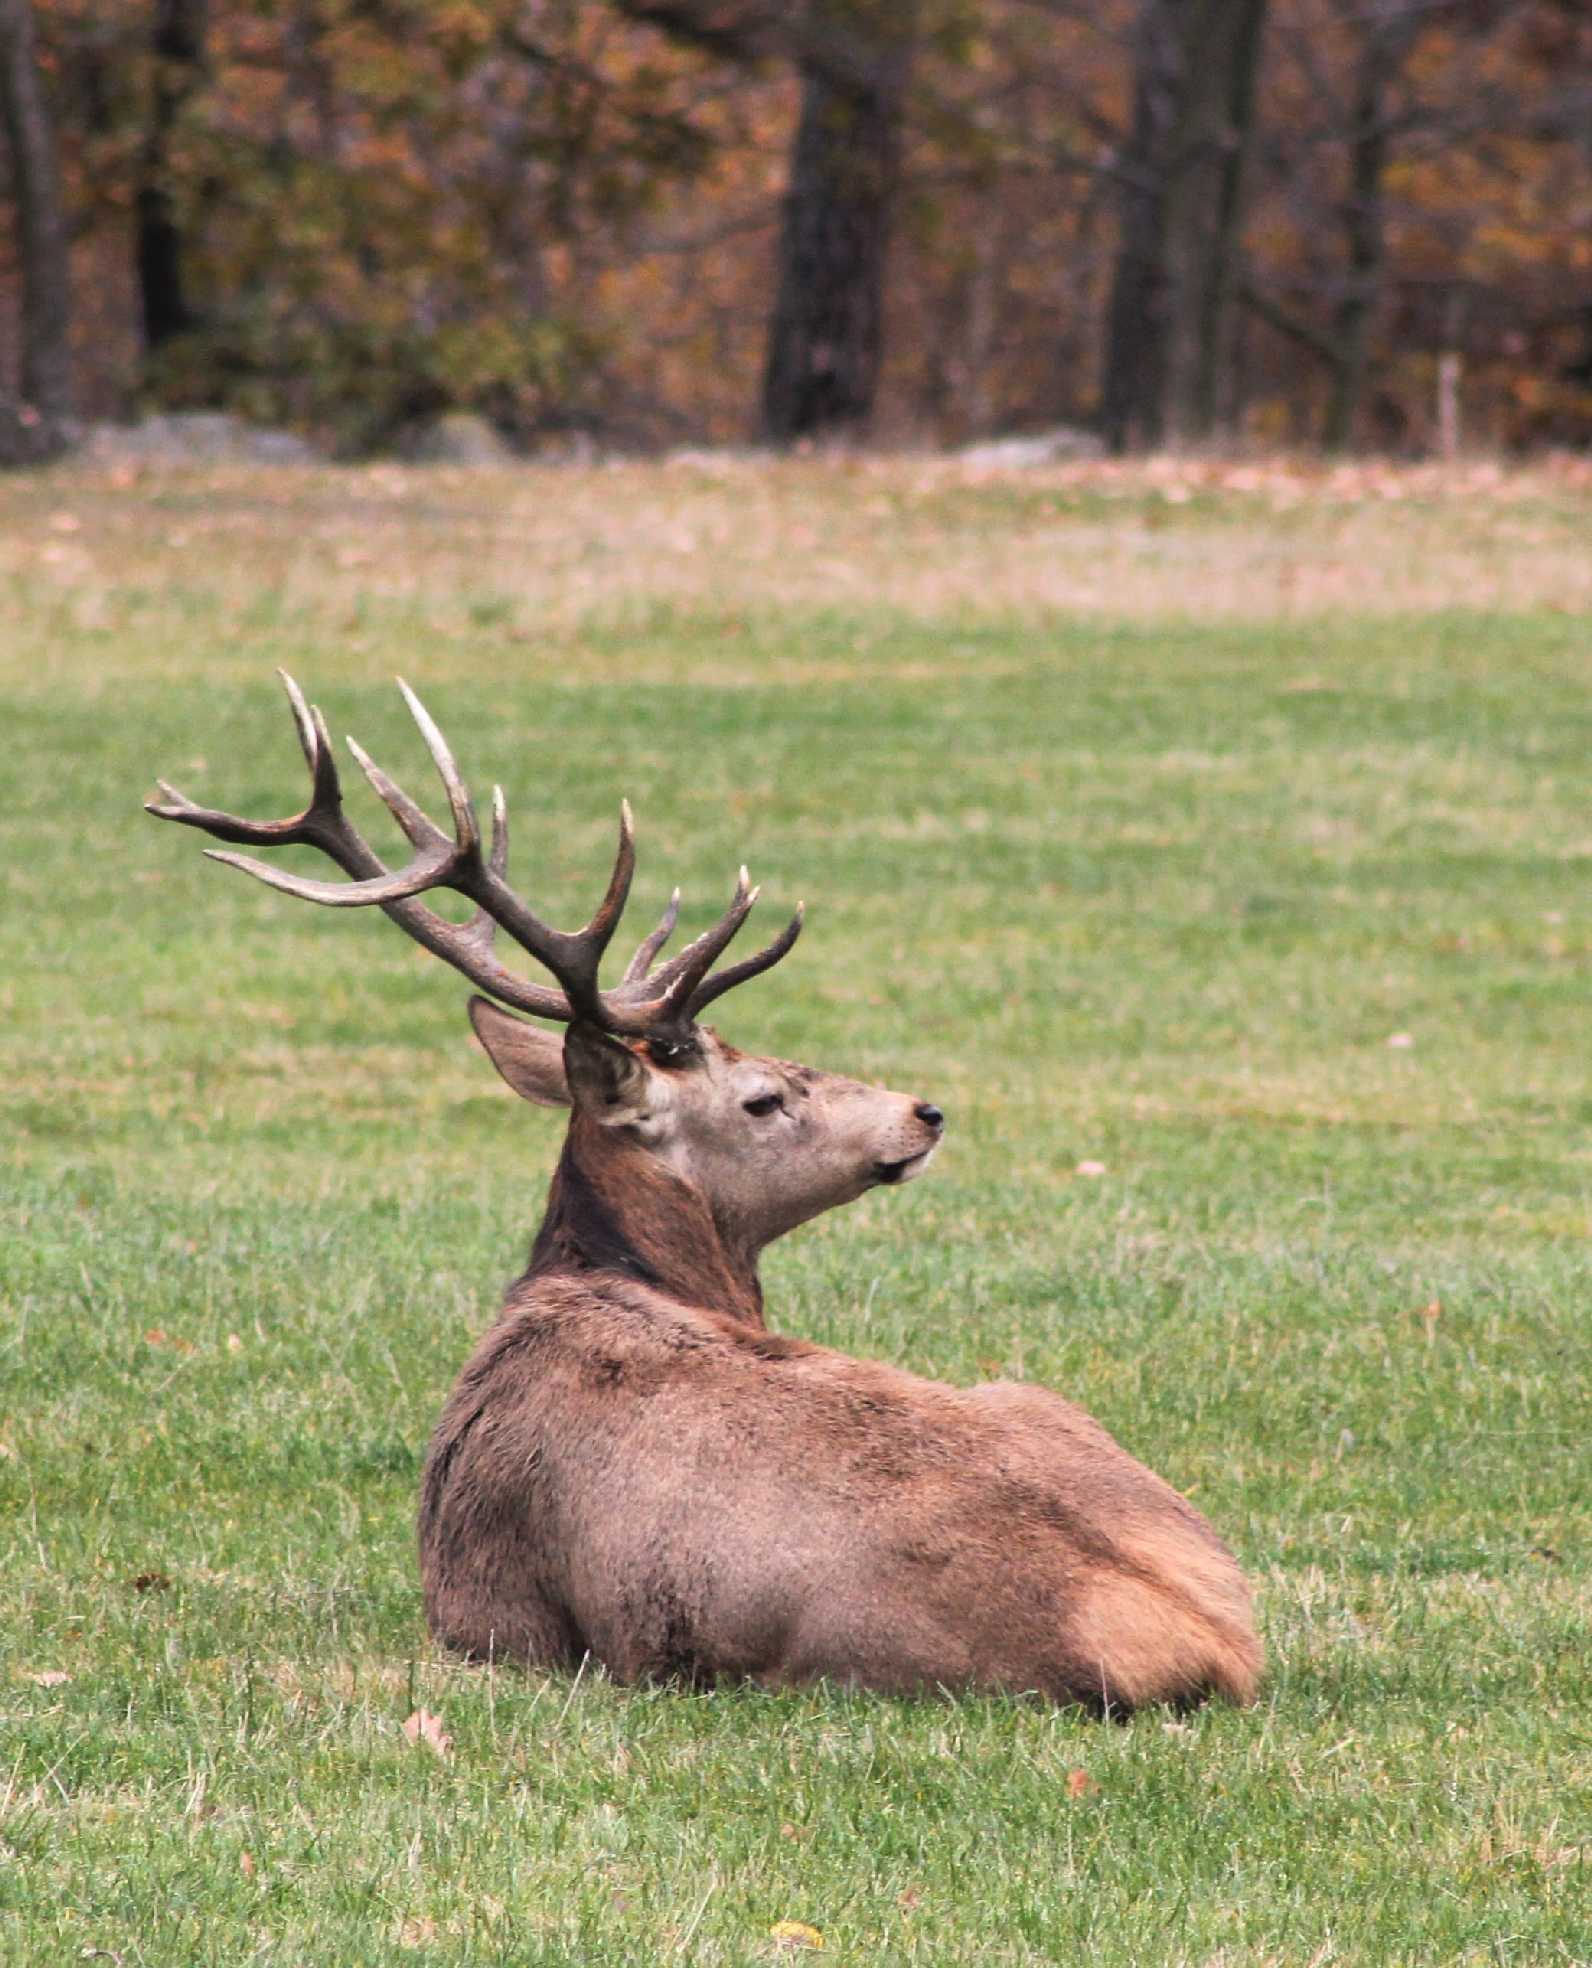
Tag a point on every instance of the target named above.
point(631, 1466)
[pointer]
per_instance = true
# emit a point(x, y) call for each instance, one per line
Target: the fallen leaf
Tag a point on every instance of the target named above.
point(424, 1727)
point(50, 1677)
point(150, 1582)
point(795, 1934)
point(1080, 1784)
point(158, 1336)
point(792, 1831)
point(909, 1899)
point(246, 1864)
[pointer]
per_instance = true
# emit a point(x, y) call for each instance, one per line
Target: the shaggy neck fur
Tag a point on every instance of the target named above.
point(613, 1207)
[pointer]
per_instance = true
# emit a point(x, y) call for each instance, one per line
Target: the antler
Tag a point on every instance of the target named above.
point(644, 1003)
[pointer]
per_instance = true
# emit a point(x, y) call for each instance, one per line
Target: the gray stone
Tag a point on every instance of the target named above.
point(197, 437)
point(1053, 447)
point(458, 437)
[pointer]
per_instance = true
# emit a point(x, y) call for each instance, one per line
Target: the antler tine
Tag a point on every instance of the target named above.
point(498, 859)
point(649, 946)
point(480, 932)
point(317, 825)
point(316, 744)
point(466, 831)
point(673, 986)
point(765, 959)
point(419, 829)
point(425, 871)
point(303, 719)
point(600, 930)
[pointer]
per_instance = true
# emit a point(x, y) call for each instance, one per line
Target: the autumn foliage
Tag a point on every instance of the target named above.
point(348, 215)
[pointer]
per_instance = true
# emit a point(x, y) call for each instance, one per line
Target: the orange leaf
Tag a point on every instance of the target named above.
point(795, 1934)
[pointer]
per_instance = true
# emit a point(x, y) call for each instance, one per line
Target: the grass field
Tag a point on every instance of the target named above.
point(1228, 830)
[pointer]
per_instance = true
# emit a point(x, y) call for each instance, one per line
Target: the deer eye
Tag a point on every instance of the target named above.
point(765, 1103)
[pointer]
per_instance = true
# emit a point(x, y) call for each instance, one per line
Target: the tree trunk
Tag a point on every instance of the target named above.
point(178, 45)
point(1133, 390)
point(825, 337)
point(1387, 42)
point(1180, 202)
point(1212, 393)
point(45, 423)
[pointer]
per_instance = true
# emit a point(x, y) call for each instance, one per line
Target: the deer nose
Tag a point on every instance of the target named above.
point(929, 1116)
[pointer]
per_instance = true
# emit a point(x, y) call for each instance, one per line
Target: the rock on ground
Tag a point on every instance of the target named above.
point(1052, 447)
point(457, 438)
point(198, 437)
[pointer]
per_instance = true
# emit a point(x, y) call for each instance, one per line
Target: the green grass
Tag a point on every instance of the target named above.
point(1150, 893)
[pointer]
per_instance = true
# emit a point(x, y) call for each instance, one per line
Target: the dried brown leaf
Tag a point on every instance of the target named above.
point(424, 1727)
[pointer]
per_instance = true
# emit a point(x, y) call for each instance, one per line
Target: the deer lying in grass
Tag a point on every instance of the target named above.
point(630, 1464)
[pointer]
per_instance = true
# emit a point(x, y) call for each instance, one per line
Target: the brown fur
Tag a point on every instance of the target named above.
point(632, 1466)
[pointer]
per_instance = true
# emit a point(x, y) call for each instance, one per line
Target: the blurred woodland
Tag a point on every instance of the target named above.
point(645, 223)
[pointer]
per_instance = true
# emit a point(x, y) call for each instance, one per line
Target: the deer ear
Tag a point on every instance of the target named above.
point(606, 1079)
point(531, 1060)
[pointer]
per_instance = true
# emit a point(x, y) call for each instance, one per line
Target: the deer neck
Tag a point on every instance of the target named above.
point(614, 1207)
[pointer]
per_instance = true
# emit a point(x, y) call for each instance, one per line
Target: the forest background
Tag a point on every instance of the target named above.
point(633, 224)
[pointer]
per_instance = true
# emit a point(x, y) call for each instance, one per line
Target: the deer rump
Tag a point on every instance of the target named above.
point(630, 1465)
point(682, 1495)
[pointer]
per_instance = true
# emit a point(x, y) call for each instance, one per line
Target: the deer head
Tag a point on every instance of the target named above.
point(672, 1129)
